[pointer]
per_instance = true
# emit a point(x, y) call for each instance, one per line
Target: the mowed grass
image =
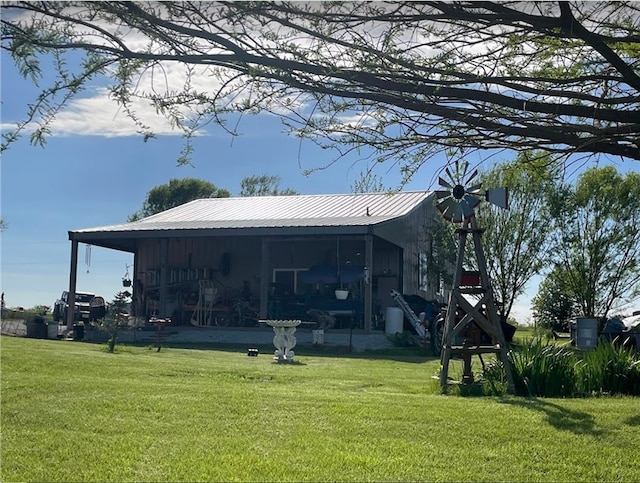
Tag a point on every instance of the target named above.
point(73, 412)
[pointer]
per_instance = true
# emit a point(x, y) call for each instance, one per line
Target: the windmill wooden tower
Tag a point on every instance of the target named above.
point(465, 321)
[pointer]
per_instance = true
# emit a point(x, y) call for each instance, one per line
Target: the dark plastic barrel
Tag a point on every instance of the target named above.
point(36, 328)
point(78, 332)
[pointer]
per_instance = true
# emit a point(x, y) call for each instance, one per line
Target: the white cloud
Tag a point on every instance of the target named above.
point(101, 116)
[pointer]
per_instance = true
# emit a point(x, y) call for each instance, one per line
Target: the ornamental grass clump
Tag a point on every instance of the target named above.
point(539, 369)
point(542, 369)
point(609, 369)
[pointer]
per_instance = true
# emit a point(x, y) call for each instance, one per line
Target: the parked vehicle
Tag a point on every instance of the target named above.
point(82, 307)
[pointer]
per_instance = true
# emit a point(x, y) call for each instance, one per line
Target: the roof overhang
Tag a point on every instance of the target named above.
point(127, 240)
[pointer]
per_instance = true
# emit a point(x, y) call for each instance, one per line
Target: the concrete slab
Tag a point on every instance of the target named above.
point(357, 340)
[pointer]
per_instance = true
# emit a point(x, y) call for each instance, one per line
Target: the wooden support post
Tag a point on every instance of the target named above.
point(368, 286)
point(448, 333)
point(164, 275)
point(73, 276)
point(265, 280)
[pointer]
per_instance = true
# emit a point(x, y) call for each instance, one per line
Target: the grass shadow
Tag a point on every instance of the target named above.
point(633, 421)
point(288, 363)
point(559, 417)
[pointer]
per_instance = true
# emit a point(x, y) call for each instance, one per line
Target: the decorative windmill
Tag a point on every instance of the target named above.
point(464, 321)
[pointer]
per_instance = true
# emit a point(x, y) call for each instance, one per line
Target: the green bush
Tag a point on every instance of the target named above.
point(404, 339)
point(494, 379)
point(544, 369)
point(609, 369)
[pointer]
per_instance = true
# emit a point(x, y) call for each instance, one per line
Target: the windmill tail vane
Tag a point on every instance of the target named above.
point(459, 198)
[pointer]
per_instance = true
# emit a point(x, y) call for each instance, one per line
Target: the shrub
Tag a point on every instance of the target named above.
point(609, 369)
point(494, 379)
point(541, 368)
point(115, 320)
point(404, 339)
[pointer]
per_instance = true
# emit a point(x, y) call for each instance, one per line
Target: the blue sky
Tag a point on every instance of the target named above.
point(83, 179)
point(94, 170)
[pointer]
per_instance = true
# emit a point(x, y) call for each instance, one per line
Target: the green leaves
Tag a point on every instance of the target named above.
point(597, 243)
point(543, 369)
point(177, 192)
point(516, 240)
point(427, 76)
point(264, 185)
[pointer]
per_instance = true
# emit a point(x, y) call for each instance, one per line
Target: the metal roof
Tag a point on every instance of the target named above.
point(299, 215)
point(275, 211)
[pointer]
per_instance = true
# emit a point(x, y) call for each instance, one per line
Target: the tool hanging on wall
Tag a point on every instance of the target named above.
point(203, 314)
point(465, 321)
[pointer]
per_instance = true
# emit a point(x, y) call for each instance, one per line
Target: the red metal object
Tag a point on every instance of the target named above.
point(470, 279)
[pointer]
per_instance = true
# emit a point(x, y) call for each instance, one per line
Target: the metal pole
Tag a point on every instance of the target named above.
point(164, 273)
point(368, 286)
point(73, 275)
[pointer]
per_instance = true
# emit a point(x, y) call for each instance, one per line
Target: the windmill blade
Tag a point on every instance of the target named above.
point(467, 209)
point(473, 175)
point(451, 176)
point(465, 167)
point(456, 215)
point(498, 197)
point(442, 194)
point(448, 208)
point(451, 210)
point(457, 171)
point(444, 183)
point(472, 200)
point(475, 189)
point(445, 205)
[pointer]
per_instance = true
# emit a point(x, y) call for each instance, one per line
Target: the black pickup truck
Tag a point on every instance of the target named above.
point(82, 307)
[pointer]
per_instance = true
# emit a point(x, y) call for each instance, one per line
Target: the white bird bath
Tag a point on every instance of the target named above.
point(284, 339)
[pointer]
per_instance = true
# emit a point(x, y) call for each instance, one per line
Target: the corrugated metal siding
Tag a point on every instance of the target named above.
point(413, 233)
point(278, 211)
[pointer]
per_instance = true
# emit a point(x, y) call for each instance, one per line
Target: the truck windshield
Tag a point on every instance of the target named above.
point(84, 298)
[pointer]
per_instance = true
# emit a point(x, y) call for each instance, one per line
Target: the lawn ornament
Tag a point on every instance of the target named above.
point(284, 339)
point(462, 335)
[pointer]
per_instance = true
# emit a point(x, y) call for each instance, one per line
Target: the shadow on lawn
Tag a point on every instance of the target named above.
point(558, 416)
point(633, 421)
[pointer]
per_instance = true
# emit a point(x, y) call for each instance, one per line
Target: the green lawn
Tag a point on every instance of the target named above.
point(72, 412)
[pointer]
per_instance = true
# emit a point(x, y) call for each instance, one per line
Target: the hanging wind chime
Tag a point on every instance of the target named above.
point(87, 256)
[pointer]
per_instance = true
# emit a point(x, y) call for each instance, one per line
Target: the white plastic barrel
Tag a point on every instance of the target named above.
point(586, 332)
point(318, 336)
point(394, 320)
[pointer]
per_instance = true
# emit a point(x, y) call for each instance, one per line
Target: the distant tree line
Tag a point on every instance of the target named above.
point(582, 237)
